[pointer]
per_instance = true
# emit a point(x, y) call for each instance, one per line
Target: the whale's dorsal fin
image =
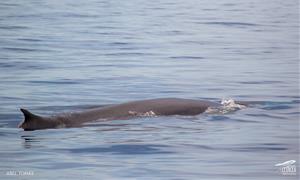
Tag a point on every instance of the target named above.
point(30, 120)
point(28, 115)
point(33, 122)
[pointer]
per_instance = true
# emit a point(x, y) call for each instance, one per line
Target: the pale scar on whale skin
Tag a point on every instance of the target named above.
point(151, 107)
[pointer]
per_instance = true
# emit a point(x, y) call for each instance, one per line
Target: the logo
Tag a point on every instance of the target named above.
point(287, 167)
point(19, 173)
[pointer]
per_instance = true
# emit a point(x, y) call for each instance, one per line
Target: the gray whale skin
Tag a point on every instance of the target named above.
point(157, 107)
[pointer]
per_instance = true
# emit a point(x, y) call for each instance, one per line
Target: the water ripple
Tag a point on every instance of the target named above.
point(231, 24)
point(123, 149)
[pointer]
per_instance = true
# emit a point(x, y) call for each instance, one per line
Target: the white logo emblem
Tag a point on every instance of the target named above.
point(287, 167)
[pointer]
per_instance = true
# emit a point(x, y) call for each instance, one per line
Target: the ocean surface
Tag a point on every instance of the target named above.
point(64, 55)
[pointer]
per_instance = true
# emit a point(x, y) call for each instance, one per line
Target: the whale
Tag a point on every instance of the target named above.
point(123, 111)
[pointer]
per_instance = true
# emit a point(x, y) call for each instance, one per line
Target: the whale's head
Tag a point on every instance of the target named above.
point(33, 122)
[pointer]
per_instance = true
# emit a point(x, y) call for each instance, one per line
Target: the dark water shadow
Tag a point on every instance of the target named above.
point(260, 147)
point(251, 148)
point(277, 105)
point(123, 149)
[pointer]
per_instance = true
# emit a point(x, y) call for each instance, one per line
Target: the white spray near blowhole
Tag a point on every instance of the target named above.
point(227, 106)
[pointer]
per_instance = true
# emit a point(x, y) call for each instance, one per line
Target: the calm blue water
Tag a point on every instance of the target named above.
point(64, 55)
